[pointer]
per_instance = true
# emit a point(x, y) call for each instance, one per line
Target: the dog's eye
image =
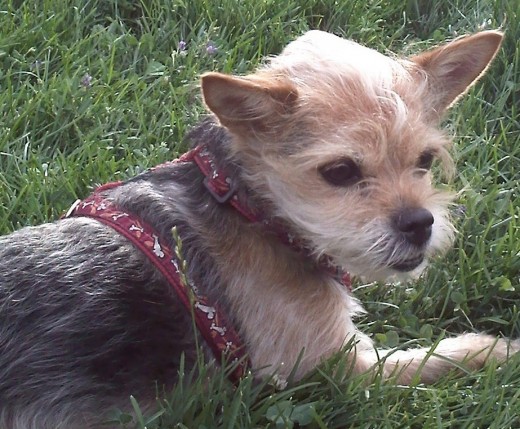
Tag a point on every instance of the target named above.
point(426, 160)
point(343, 172)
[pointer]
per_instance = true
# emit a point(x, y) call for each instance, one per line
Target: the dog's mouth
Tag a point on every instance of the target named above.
point(408, 264)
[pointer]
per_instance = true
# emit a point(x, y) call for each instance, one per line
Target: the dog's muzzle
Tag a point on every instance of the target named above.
point(413, 227)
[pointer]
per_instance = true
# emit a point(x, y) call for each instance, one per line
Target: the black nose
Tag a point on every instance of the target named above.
point(415, 224)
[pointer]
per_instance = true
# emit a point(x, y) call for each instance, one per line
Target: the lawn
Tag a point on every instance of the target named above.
point(99, 90)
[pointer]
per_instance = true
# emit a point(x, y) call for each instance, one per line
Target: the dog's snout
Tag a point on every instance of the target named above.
point(415, 224)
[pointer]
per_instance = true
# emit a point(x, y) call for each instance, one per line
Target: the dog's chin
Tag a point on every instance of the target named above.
point(398, 271)
point(408, 265)
point(403, 272)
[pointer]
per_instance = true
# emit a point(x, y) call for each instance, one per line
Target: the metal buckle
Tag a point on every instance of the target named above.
point(224, 198)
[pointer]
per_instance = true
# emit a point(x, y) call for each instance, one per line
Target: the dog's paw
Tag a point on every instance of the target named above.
point(469, 351)
point(478, 349)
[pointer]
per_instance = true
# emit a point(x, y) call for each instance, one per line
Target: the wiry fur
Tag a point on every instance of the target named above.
point(86, 320)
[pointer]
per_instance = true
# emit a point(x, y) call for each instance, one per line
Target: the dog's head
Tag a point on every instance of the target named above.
point(340, 140)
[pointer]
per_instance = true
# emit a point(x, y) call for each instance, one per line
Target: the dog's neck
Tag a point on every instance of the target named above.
point(226, 189)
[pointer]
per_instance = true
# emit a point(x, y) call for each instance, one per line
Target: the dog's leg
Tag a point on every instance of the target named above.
point(467, 352)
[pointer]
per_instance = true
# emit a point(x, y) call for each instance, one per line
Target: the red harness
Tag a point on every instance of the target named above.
point(212, 323)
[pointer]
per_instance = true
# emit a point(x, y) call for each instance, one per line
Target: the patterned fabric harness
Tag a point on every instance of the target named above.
point(210, 320)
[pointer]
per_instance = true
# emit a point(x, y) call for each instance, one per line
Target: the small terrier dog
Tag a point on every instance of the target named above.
point(332, 143)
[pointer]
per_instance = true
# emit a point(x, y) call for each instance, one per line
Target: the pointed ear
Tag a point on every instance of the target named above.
point(453, 68)
point(245, 104)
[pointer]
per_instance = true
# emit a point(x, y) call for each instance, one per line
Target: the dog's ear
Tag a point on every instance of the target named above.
point(245, 104)
point(454, 67)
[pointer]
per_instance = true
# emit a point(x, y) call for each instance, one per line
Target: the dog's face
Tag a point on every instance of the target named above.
point(341, 140)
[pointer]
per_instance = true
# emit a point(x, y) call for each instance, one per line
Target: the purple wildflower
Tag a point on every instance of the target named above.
point(211, 49)
point(86, 81)
point(181, 47)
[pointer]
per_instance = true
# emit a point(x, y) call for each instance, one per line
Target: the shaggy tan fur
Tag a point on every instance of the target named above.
point(323, 99)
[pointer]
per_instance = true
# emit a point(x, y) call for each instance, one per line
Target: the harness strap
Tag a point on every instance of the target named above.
point(212, 323)
point(216, 330)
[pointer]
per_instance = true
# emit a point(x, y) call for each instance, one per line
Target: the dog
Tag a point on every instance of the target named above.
point(314, 168)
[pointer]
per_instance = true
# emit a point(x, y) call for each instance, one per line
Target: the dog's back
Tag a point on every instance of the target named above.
point(85, 321)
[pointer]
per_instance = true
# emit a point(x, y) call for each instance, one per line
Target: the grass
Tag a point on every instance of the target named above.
point(98, 90)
